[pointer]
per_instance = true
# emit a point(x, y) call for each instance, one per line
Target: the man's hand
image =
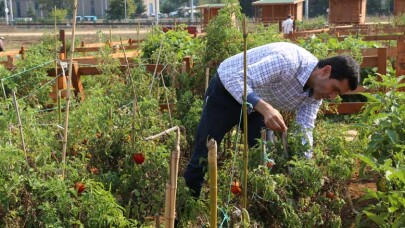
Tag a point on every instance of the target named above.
point(272, 117)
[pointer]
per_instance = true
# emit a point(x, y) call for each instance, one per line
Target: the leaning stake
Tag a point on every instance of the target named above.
point(20, 126)
point(212, 163)
point(245, 124)
point(69, 83)
point(171, 186)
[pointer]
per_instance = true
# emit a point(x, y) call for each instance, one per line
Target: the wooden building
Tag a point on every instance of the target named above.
point(347, 11)
point(274, 11)
point(208, 12)
point(399, 7)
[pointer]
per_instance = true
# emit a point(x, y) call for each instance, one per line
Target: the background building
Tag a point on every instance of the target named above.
point(21, 9)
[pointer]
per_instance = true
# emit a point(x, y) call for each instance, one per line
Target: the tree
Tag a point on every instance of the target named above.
point(116, 10)
point(247, 7)
point(31, 13)
point(59, 14)
point(168, 7)
point(140, 7)
point(48, 5)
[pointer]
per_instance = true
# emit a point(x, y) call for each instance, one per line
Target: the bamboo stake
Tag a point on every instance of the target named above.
point(157, 220)
point(264, 145)
point(137, 31)
point(212, 162)
point(4, 90)
point(20, 126)
point(245, 124)
point(155, 70)
point(167, 100)
point(110, 37)
point(72, 49)
point(56, 71)
point(171, 186)
point(135, 102)
point(59, 97)
point(165, 132)
point(207, 77)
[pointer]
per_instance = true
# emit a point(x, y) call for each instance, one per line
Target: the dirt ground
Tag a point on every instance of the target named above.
point(15, 38)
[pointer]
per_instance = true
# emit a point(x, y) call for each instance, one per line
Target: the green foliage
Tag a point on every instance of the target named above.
point(116, 11)
point(311, 24)
point(385, 133)
point(189, 110)
point(170, 47)
point(30, 79)
point(263, 35)
point(324, 46)
point(224, 39)
point(399, 20)
point(58, 14)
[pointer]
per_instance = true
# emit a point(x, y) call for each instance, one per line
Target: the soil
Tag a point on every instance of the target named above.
point(357, 190)
point(15, 38)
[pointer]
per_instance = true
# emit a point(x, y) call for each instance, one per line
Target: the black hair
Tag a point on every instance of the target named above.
point(343, 66)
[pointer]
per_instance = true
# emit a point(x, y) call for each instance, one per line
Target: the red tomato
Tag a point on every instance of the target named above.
point(270, 164)
point(79, 186)
point(94, 170)
point(235, 188)
point(331, 195)
point(138, 158)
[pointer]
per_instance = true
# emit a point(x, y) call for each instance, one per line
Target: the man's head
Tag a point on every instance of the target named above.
point(334, 76)
point(289, 16)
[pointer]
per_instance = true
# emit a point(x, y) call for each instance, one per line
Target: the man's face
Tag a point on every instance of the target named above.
point(328, 88)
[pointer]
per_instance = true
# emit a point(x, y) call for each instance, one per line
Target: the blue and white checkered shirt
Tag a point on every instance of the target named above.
point(276, 73)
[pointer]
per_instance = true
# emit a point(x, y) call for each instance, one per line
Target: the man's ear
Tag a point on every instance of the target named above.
point(327, 70)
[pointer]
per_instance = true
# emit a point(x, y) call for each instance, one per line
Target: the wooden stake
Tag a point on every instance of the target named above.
point(167, 100)
point(69, 83)
point(137, 31)
point(20, 126)
point(135, 102)
point(264, 145)
point(212, 163)
point(171, 186)
point(157, 220)
point(207, 77)
point(56, 71)
point(245, 123)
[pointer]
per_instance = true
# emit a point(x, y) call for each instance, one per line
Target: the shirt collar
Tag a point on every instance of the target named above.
point(305, 76)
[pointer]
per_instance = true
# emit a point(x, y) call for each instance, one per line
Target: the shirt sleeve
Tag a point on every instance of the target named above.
point(266, 70)
point(306, 116)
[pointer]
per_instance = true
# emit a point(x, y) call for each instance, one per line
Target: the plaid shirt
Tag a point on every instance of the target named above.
point(276, 73)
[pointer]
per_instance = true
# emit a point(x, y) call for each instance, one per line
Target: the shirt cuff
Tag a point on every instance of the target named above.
point(252, 100)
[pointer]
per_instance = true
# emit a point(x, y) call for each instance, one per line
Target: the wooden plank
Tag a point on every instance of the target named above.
point(96, 49)
point(94, 70)
point(76, 82)
point(345, 108)
point(359, 89)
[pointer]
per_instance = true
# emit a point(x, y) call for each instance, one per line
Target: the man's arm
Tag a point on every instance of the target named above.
point(272, 117)
point(264, 71)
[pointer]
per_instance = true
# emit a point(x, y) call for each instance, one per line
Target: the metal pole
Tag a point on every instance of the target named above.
point(125, 8)
point(82, 7)
point(306, 9)
point(192, 11)
point(11, 12)
point(6, 11)
point(156, 12)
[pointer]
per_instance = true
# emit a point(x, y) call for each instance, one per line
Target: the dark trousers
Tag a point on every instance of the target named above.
point(221, 112)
